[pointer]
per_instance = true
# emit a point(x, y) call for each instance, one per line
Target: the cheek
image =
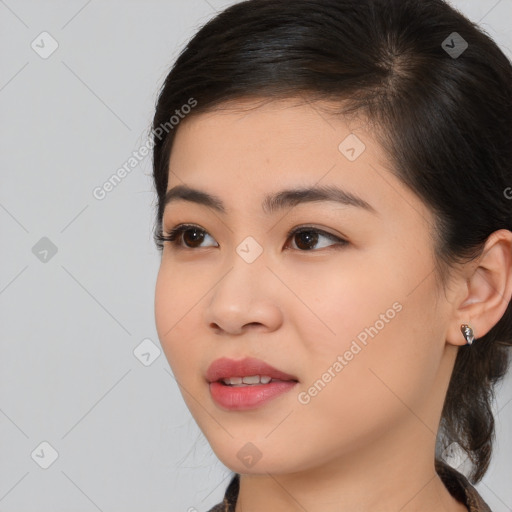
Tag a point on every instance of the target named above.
point(383, 341)
point(175, 299)
point(385, 382)
point(348, 302)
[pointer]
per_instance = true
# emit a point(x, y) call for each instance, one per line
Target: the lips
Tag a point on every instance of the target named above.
point(225, 368)
point(262, 383)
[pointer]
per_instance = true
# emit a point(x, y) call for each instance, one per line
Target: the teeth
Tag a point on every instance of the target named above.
point(255, 379)
point(249, 380)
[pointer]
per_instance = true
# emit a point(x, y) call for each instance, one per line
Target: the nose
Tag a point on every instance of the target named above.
point(245, 298)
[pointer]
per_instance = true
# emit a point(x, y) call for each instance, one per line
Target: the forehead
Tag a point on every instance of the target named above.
point(283, 135)
point(243, 151)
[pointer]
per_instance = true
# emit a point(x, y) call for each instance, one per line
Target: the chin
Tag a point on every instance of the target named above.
point(254, 459)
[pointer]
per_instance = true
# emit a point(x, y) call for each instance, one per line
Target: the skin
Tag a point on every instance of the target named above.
point(366, 441)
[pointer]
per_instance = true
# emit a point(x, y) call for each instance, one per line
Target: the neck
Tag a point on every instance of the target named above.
point(372, 478)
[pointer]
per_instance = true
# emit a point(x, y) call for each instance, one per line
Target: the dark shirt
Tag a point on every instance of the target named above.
point(456, 483)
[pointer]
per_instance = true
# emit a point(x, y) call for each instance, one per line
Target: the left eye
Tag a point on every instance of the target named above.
point(306, 238)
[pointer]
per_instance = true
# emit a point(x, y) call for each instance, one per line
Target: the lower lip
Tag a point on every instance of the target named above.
point(238, 398)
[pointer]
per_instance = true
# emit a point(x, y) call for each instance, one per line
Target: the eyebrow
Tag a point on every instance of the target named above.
point(274, 202)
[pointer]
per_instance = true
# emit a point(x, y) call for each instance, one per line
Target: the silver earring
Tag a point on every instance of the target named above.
point(468, 333)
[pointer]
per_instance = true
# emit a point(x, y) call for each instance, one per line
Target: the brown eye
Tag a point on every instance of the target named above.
point(306, 239)
point(193, 236)
point(186, 236)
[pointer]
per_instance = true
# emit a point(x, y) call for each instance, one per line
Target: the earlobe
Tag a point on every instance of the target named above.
point(489, 291)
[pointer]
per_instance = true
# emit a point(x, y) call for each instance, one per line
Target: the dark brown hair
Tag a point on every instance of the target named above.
point(444, 120)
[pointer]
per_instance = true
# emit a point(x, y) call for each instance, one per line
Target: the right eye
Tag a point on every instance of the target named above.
point(186, 236)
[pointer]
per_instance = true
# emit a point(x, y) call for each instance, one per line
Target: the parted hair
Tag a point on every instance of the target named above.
point(443, 119)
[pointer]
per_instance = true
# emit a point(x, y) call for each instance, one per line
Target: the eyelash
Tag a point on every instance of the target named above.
point(174, 236)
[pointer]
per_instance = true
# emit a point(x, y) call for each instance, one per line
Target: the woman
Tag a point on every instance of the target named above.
point(335, 220)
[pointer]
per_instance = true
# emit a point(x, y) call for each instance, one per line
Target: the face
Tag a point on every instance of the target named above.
point(348, 306)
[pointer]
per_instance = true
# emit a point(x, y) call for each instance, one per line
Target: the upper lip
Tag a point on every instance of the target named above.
point(224, 368)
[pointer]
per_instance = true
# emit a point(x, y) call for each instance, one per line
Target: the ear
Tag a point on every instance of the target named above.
point(487, 289)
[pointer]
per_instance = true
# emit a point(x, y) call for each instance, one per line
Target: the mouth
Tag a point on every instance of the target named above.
point(246, 384)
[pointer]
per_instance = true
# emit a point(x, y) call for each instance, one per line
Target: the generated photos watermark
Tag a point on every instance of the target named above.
point(304, 397)
point(100, 192)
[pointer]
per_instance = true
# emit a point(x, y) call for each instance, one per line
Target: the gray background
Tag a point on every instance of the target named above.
point(71, 321)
